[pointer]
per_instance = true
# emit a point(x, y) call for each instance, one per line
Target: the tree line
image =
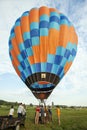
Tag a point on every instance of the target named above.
point(2, 102)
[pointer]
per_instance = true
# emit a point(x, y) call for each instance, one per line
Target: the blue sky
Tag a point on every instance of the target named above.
point(72, 90)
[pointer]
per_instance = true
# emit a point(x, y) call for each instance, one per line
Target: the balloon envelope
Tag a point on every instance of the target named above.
point(42, 47)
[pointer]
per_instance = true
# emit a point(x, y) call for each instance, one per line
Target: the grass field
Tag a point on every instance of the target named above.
point(71, 119)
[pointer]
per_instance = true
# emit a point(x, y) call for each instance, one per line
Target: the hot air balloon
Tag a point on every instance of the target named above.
point(42, 47)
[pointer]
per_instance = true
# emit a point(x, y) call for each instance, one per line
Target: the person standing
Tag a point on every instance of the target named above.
point(46, 114)
point(20, 110)
point(37, 115)
point(58, 114)
point(42, 114)
point(50, 113)
point(11, 112)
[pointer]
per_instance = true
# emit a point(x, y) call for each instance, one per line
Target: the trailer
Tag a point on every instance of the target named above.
point(11, 124)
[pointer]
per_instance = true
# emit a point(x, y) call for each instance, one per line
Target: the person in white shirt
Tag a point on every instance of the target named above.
point(11, 112)
point(20, 110)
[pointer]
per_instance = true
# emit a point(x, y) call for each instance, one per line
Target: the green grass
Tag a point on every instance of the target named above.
point(71, 119)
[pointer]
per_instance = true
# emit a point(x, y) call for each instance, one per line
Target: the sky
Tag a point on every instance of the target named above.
point(72, 89)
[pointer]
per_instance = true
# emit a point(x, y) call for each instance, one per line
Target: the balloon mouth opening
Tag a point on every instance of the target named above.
point(42, 89)
point(42, 84)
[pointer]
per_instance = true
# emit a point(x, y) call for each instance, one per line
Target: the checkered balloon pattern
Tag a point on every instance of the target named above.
point(42, 40)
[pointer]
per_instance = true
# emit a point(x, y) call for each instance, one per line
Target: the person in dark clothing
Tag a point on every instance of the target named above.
point(42, 114)
point(50, 113)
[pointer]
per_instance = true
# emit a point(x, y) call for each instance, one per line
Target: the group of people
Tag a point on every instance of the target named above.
point(21, 111)
point(43, 114)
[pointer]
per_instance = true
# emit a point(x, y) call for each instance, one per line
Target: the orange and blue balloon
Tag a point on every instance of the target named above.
point(42, 47)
